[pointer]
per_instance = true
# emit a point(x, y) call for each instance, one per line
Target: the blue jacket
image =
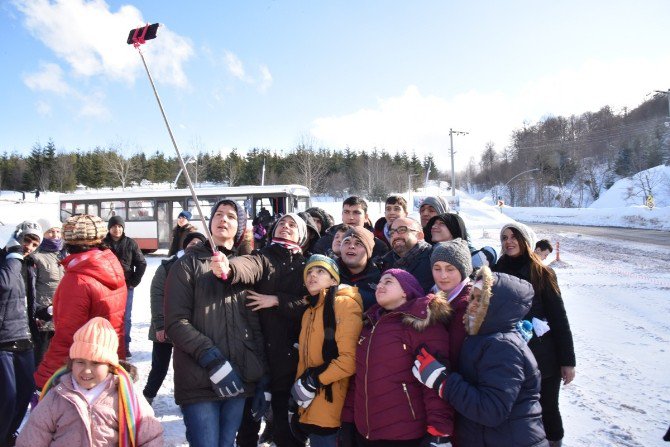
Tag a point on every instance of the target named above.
point(416, 262)
point(13, 302)
point(497, 390)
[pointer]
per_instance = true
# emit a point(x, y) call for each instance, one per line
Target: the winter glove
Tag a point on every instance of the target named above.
point(304, 389)
point(346, 436)
point(429, 371)
point(262, 398)
point(435, 441)
point(294, 422)
point(225, 381)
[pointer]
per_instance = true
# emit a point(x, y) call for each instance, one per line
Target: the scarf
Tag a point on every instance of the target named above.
point(329, 350)
point(129, 407)
point(291, 246)
point(51, 244)
point(454, 293)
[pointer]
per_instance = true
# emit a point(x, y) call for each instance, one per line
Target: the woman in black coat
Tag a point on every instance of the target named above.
point(552, 344)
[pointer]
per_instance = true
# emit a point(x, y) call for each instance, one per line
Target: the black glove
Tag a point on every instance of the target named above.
point(294, 422)
point(225, 381)
point(435, 441)
point(262, 398)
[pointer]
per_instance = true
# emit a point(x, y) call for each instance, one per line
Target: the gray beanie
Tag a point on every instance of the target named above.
point(456, 253)
point(301, 227)
point(526, 232)
point(436, 202)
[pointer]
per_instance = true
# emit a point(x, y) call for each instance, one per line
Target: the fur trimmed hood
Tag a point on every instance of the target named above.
point(419, 313)
point(504, 300)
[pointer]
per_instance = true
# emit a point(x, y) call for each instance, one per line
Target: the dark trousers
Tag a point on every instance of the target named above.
point(362, 442)
point(127, 322)
point(551, 415)
point(41, 341)
point(160, 363)
point(247, 435)
point(16, 388)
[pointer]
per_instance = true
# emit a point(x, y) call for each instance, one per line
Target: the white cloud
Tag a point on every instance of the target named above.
point(43, 108)
point(92, 39)
point(416, 121)
point(266, 79)
point(92, 106)
point(48, 79)
point(234, 65)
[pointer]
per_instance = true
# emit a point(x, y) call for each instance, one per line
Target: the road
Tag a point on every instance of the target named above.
point(655, 237)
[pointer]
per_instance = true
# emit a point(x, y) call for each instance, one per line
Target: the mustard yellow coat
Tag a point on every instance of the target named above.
point(348, 306)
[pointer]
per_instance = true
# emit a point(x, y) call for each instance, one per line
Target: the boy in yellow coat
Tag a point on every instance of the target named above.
point(328, 336)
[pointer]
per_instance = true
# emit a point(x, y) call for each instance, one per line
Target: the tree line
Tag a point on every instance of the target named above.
point(558, 161)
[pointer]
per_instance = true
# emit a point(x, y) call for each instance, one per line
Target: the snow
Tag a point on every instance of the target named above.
point(616, 295)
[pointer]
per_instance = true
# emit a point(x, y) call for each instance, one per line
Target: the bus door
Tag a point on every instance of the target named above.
point(164, 223)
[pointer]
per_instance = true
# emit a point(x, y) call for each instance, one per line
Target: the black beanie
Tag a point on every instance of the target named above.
point(454, 223)
point(116, 220)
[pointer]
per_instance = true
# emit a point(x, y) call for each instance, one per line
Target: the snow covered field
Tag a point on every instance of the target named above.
point(618, 300)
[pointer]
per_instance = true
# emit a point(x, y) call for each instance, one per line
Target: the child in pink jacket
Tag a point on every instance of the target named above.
point(91, 401)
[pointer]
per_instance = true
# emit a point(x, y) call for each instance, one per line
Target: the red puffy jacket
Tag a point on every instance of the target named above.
point(93, 286)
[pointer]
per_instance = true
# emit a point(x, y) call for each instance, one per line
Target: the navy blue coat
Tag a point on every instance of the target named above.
point(416, 262)
point(497, 389)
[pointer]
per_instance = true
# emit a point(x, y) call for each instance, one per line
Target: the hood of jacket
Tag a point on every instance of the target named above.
point(504, 301)
point(418, 313)
point(102, 265)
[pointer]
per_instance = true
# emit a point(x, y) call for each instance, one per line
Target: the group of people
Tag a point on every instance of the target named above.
point(394, 334)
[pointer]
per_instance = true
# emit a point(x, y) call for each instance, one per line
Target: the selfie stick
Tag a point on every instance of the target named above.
point(138, 39)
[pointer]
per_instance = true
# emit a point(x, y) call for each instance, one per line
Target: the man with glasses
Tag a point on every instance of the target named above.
point(409, 251)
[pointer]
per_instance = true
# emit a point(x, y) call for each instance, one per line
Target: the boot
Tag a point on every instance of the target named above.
point(266, 436)
point(558, 443)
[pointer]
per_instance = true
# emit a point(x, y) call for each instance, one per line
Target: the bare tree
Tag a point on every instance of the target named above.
point(311, 165)
point(119, 167)
point(646, 183)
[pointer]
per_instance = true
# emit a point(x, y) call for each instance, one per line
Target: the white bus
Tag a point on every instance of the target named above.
point(150, 215)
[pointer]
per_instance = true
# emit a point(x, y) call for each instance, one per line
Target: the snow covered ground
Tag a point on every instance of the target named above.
point(617, 297)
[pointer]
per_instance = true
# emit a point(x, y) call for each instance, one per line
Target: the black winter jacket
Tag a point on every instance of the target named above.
point(157, 293)
point(14, 313)
point(130, 256)
point(366, 281)
point(178, 235)
point(497, 389)
point(416, 262)
point(555, 348)
point(201, 312)
point(274, 270)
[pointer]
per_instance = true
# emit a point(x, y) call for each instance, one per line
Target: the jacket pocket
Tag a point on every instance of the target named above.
point(409, 401)
point(251, 366)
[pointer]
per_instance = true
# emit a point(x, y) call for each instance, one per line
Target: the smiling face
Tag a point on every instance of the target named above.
point(511, 245)
point(318, 279)
point(392, 211)
point(224, 225)
point(88, 374)
point(405, 234)
point(440, 232)
point(53, 233)
point(389, 293)
point(287, 229)
point(446, 276)
point(116, 231)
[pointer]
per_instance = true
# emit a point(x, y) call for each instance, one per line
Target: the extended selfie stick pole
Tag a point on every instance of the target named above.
point(138, 38)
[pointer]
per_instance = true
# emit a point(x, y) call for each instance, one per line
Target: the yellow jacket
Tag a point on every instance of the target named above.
point(348, 306)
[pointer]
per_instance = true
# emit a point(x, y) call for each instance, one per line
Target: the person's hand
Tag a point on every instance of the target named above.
point(304, 389)
point(262, 398)
point(258, 301)
point(160, 336)
point(225, 381)
point(435, 441)
point(568, 374)
point(429, 371)
point(220, 266)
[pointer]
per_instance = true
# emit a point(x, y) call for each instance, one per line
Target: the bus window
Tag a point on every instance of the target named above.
point(205, 205)
point(263, 208)
point(65, 210)
point(93, 209)
point(176, 209)
point(140, 210)
point(300, 204)
point(112, 208)
point(79, 208)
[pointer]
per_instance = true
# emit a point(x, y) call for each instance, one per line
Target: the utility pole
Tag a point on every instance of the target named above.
point(453, 174)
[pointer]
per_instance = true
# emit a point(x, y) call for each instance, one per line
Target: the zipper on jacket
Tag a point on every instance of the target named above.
point(367, 368)
point(409, 401)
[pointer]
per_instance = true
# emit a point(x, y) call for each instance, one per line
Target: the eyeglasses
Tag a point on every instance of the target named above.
point(401, 230)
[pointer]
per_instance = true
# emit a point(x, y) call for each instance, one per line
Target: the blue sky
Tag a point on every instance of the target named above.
point(363, 74)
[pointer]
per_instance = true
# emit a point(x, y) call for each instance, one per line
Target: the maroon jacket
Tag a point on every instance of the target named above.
point(385, 401)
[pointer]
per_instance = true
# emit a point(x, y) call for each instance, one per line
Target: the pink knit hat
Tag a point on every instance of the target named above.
point(96, 341)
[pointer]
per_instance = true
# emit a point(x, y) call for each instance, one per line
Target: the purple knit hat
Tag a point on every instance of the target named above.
point(410, 285)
